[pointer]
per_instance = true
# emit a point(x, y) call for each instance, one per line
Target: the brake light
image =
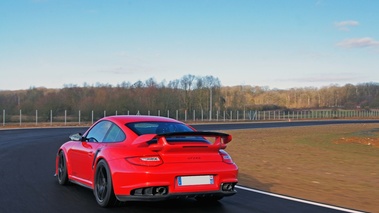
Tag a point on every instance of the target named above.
point(145, 160)
point(225, 156)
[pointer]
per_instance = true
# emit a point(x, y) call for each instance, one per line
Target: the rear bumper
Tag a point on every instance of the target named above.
point(133, 182)
point(216, 194)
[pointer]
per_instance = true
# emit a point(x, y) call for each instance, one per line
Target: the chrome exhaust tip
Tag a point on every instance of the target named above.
point(160, 190)
point(228, 187)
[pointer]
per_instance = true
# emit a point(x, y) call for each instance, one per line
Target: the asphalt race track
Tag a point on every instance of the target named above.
point(27, 182)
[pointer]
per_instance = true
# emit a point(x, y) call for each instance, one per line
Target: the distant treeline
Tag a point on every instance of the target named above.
point(187, 93)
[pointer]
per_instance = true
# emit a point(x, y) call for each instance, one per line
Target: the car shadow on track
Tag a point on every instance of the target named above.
point(74, 198)
point(175, 205)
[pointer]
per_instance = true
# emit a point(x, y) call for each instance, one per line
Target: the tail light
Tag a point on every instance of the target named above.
point(225, 157)
point(145, 160)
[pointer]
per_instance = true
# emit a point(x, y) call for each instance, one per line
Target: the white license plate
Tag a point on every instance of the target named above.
point(195, 180)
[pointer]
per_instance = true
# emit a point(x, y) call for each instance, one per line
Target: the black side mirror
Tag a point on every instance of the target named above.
point(76, 137)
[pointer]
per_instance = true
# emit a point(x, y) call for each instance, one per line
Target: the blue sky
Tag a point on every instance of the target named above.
point(280, 44)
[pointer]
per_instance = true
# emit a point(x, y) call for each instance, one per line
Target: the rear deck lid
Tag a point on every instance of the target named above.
point(185, 147)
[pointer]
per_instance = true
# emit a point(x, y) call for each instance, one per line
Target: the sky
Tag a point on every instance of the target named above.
point(280, 44)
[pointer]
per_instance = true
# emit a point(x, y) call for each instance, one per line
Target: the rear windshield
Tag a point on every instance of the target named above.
point(141, 128)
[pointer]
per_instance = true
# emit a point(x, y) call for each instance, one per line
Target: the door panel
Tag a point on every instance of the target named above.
point(82, 155)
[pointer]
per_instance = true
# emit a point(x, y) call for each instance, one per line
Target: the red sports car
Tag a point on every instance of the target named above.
point(125, 158)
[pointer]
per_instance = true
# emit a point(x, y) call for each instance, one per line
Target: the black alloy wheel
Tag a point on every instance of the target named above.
point(62, 169)
point(103, 186)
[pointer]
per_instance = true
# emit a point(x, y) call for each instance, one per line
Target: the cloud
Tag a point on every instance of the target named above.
point(358, 43)
point(344, 25)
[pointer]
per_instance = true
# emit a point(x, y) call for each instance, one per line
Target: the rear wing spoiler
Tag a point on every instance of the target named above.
point(221, 139)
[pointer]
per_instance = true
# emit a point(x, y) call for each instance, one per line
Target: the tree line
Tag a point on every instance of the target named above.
point(189, 93)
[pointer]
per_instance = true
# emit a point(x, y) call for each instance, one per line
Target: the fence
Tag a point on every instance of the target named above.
point(65, 117)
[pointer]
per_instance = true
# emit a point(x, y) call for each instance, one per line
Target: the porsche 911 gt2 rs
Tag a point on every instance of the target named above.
point(126, 158)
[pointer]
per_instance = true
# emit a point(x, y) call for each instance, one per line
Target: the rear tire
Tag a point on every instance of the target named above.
point(62, 169)
point(103, 189)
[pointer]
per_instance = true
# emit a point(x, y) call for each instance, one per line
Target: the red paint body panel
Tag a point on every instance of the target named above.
point(169, 160)
point(166, 175)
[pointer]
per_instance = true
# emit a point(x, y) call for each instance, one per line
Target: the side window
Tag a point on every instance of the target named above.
point(115, 134)
point(98, 132)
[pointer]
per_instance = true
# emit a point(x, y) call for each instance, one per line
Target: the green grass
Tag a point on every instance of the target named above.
point(307, 162)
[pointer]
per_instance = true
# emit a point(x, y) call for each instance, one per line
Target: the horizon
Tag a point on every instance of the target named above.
point(99, 85)
point(274, 44)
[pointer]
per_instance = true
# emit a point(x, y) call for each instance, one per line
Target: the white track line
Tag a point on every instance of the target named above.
point(299, 200)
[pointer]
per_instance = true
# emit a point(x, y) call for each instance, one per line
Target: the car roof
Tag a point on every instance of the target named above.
point(124, 119)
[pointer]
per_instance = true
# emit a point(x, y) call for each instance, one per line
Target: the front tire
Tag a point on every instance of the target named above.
point(62, 169)
point(103, 189)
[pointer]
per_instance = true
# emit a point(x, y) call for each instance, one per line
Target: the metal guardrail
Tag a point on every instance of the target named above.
point(86, 118)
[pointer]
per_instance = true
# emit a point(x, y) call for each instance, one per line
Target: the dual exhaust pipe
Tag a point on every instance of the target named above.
point(163, 190)
point(228, 187)
point(151, 191)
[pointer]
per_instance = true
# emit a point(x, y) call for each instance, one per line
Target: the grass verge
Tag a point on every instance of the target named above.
point(329, 164)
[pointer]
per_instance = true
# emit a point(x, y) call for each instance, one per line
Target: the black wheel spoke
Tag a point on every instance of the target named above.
point(101, 184)
point(62, 170)
point(61, 167)
point(102, 177)
point(103, 192)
